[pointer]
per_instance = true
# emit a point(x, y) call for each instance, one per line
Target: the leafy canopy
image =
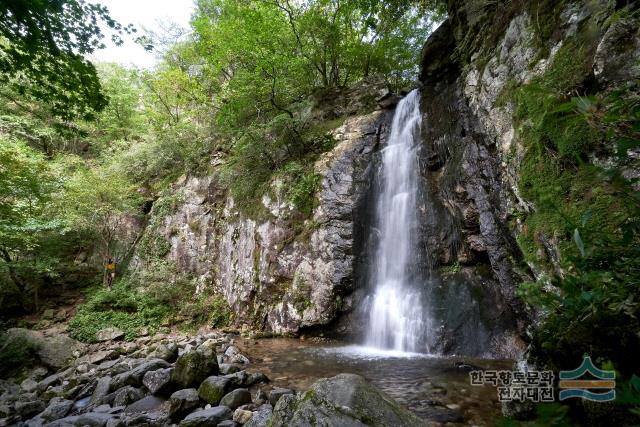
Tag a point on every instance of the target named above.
point(43, 44)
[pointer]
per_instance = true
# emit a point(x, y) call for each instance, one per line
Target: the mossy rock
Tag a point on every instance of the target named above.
point(193, 367)
point(344, 400)
point(213, 389)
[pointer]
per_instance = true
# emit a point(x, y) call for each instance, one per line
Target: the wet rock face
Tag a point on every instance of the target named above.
point(471, 154)
point(472, 257)
point(53, 351)
point(274, 276)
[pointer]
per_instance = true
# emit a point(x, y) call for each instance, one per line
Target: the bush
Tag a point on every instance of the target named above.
point(123, 307)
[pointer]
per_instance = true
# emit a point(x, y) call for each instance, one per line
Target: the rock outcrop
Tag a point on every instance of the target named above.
point(278, 273)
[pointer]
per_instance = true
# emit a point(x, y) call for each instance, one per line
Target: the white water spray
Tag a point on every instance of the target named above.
point(397, 319)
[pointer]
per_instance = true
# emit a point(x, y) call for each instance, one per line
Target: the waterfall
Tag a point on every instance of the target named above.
point(397, 318)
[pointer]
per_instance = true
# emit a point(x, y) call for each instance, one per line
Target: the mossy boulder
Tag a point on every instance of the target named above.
point(344, 400)
point(193, 367)
point(213, 389)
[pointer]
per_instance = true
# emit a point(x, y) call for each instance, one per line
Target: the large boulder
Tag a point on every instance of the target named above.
point(127, 395)
point(58, 408)
point(53, 351)
point(213, 389)
point(345, 400)
point(236, 398)
point(159, 381)
point(207, 417)
point(261, 416)
point(183, 401)
point(193, 367)
point(109, 334)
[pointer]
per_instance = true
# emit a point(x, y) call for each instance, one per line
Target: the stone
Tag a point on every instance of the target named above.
point(127, 395)
point(97, 357)
point(182, 402)
point(154, 418)
point(48, 314)
point(276, 393)
point(242, 416)
point(207, 417)
point(134, 376)
point(617, 57)
point(213, 389)
point(192, 368)
point(262, 416)
point(168, 352)
point(236, 398)
point(102, 389)
point(91, 419)
point(49, 381)
point(110, 334)
point(228, 423)
point(145, 404)
point(344, 400)
point(27, 409)
point(159, 381)
point(54, 351)
point(239, 358)
point(29, 385)
point(256, 378)
point(228, 368)
point(238, 379)
point(57, 408)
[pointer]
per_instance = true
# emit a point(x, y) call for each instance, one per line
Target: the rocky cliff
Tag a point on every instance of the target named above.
point(488, 73)
point(279, 272)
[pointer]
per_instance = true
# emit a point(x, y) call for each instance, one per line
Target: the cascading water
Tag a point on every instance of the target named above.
point(397, 318)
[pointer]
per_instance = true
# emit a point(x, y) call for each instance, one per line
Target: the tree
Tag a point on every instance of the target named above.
point(42, 53)
point(26, 184)
point(121, 118)
point(100, 202)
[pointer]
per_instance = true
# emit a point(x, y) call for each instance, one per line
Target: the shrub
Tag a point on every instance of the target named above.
point(122, 307)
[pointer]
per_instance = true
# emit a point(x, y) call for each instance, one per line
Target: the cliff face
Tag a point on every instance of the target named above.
point(279, 272)
point(478, 160)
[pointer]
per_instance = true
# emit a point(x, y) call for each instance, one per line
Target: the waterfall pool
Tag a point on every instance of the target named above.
point(422, 383)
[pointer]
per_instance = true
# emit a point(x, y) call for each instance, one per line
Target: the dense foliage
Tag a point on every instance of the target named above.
point(42, 53)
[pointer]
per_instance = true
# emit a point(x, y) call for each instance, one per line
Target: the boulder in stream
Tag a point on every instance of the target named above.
point(345, 400)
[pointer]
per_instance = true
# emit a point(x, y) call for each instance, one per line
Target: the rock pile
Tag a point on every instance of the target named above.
point(154, 381)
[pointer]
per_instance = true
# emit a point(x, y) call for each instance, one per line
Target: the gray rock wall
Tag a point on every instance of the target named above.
point(277, 273)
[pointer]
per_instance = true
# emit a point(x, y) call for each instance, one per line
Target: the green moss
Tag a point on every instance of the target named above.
point(301, 295)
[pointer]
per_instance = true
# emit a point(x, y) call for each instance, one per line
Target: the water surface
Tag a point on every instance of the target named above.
point(422, 383)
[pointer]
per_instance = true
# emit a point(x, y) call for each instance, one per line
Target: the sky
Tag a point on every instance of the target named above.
point(146, 14)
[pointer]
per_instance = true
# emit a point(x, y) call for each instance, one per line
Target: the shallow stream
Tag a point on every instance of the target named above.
point(424, 384)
